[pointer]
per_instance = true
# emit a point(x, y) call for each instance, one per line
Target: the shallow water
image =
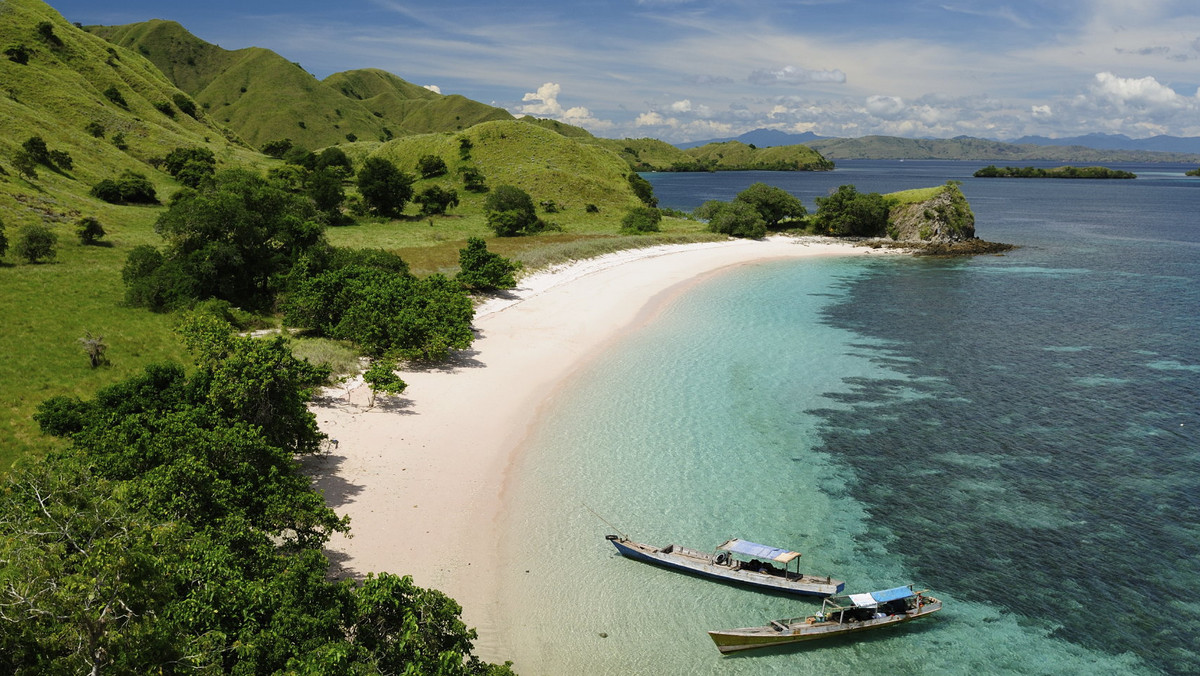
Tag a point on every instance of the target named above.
point(1016, 433)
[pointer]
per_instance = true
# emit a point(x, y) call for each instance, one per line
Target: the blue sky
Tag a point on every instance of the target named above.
point(684, 70)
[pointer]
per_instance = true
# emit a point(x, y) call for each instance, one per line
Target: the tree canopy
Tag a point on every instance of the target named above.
point(484, 270)
point(385, 189)
point(774, 204)
point(736, 218)
point(510, 212)
point(847, 212)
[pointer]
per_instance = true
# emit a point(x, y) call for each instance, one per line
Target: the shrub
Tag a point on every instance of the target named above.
point(436, 200)
point(95, 129)
point(591, 209)
point(384, 188)
point(848, 212)
point(18, 54)
point(3, 240)
point(190, 165)
point(89, 230)
point(641, 219)
point(510, 212)
point(46, 30)
point(62, 160)
point(431, 166)
point(113, 94)
point(484, 270)
point(643, 190)
point(473, 180)
point(129, 187)
point(35, 243)
point(185, 104)
point(165, 108)
point(118, 140)
point(277, 149)
point(736, 219)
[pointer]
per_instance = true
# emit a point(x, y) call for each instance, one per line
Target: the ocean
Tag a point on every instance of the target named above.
point(1020, 434)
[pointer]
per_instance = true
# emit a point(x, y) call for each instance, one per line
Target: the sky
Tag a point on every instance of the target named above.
point(687, 70)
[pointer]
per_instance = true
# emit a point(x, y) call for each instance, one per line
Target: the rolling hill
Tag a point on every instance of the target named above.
point(264, 97)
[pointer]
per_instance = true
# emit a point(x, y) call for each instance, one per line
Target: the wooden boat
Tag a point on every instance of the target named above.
point(839, 615)
point(759, 571)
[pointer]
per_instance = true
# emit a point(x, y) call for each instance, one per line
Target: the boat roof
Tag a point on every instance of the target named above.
point(872, 599)
point(758, 551)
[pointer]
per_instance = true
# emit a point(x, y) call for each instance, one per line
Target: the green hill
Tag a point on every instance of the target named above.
point(264, 97)
point(967, 148)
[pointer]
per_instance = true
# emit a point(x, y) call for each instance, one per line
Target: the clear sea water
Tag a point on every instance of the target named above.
point(1018, 433)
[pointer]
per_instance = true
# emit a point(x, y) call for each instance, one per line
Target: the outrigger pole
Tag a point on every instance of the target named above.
point(618, 530)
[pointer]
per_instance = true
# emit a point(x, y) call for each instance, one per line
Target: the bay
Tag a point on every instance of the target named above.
point(1017, 433)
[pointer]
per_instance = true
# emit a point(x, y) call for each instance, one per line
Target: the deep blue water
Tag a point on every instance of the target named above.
point(1019, 433)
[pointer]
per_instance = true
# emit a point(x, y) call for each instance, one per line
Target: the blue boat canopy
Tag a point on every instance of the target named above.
point(758, 551)
point(872, 599)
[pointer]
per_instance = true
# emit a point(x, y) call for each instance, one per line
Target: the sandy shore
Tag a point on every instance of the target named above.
point(421, 475)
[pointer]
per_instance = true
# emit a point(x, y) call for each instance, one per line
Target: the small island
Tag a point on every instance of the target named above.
point(992, 171)
point(1193, 172)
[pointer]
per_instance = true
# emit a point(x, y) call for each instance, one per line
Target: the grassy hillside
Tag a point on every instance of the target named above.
point(48, 307)
point(264, 97)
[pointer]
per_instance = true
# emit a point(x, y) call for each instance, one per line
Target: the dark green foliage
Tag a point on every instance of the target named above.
point(464, 147)
point(45, 29)
point(113, 94)
point(385, 189)
point(510, 212)
point(484, 270)
point(35, 244)
point(849, 213)
point(18, 54)
point(130, 187)
point(431, 166)
point(185, 104)
point(775, 205)
point(992, 171)
point(118, 141)
point(591, 209)
point(95, 129)
point(62, 160)
point(1192, 172)
point(277, 149)
point(165, 108)
point(234, 239)
point(324, 186)
point(352, 137)
point(436, 200)
point(550, 206)
point(381, 377)
point(384, 313)
point(89, 230)
point(300, 157)
point(24, 163)
point(191, 165)
point(38, 152)
point(335, 159)
point(736, 219)
point(473, 179)
point(3, 240)
point(643, 190)
point(642, 219)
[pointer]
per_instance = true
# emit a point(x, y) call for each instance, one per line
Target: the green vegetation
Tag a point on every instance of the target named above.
point(35, 244)
point(510, 212)
point(736, 218)
point(384, 188)
point(642, 220)
point(484, 270)
point(1192, 172)
point(992, 171)
point(849, 213)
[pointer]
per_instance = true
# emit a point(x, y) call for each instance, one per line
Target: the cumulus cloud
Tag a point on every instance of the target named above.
point(885, 106)
point(544, 103)
point(1145, 91)
point(684, 106)
point(434, 88)
point(792, 75)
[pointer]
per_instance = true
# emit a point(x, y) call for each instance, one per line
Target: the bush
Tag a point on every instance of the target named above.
point(165, 108)
point(736, 219)
point(35, 243)
point(3, 240)
point(473, 179)
point(431, 166)
point(62, 160)
point(849, 213)
point(191, 166)
point(484, 270)
point(118, 140)
point(335, 159)
point(113, 94)
point(642, 219)
point(89, 230)
point(184, 104)
point(277, 149)
point(95, 129)
point(775, 205)
point(436, 200)
point(18, 54)
point(643, 190)
point(510, 212)
point(384, 188)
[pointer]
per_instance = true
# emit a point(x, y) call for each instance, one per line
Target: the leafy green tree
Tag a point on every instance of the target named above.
point(431, 166)
point(384, 313)
point(130, 187)
point(185, 104)
point(113, 94)
point(35, 243)
point(277, 149)
point(25, 164)
point(89, 230)
point(335, 159)
point(847, 212)
point(510, 212)
point(191, 165)
point(36, 147)
point(464, 147)
point(435, 199)
point(325, 189)
point(774, 204)
point(18, 54)
point(473, 180)
point(643, 190)
point(642, 219)
point(381, 377)
point(485, 270)
point(385, 189)
point(62, 160)
point(736, 219)
point(95, 129)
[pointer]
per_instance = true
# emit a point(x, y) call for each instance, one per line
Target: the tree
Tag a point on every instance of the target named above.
point(737, 219)
point(130, 187)
point(3, 240)
point(35, 243)
point(643, 190)
point(18, 54)
point(185, 104)
point(384, 188)
point(847, 212)
point(325, 189)
point(191, 165)
point(89, 230)
point(94, 347)
point(484, 270)
point(774, 204)
point(381, 377)
point(431, 166)
point(25, 164)
point(113, 94)
point(36, 147)
point(473, 180)
point(510, 212)
point(436, 200)
point(277, 149)
point(335, 159)
point(642, 219)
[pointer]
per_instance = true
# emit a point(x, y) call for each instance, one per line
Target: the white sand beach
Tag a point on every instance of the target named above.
point(422, 475)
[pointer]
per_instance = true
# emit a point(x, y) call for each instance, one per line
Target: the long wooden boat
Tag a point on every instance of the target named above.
point(758, 571)
point(839, 615)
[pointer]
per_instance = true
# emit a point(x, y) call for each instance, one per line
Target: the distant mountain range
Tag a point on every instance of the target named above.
point(1087, 148)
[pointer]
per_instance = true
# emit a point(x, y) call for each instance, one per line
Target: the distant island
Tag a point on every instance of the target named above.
point(992, 171)
point(1193, 172)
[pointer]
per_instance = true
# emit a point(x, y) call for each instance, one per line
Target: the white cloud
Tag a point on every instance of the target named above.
point(791, 75)
point(1145, 91)
point(434, 88)
point(885, 106)
point(684, 106)
point(544, 103)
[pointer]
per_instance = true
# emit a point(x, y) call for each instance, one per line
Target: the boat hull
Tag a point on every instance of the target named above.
point(706, 565)
point(749, 638)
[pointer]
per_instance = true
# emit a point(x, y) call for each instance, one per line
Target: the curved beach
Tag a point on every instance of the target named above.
point(422, 475)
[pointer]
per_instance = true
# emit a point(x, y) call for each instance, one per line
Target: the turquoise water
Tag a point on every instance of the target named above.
point(1015, 433)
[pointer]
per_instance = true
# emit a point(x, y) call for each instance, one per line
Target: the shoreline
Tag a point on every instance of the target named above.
point(423, 475)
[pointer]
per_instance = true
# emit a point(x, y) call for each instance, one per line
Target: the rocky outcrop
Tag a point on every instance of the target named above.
point(944, 218)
